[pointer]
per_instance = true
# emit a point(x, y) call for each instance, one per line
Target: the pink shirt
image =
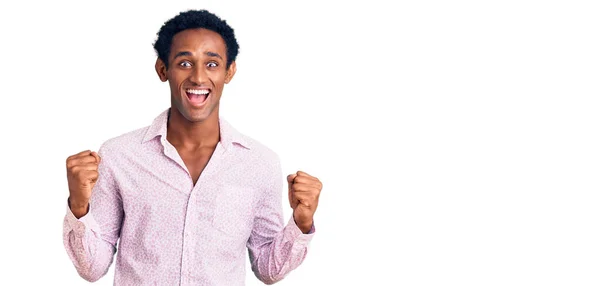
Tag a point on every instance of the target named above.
point(172, 232)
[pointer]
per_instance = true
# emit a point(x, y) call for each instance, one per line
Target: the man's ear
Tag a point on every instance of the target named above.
point(230, 72)
point(161, 70)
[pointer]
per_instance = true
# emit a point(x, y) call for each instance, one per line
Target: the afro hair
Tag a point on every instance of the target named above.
point(194, 19)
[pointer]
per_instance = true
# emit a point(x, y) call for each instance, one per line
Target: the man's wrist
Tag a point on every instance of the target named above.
point(78, 209)
point(304, 227)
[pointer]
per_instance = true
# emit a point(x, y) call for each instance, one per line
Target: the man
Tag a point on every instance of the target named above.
point(186, 195)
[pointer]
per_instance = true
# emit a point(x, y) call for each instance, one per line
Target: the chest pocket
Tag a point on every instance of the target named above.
point(233, 213)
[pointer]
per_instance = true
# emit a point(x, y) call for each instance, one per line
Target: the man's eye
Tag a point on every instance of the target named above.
point(212, 65)
point(185, 64)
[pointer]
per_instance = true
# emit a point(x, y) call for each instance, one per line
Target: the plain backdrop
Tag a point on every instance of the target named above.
point(458, 141)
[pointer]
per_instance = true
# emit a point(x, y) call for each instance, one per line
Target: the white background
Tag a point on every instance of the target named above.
point(458, 141)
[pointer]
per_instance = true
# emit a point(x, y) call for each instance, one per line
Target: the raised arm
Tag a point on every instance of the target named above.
point(94, 215)
point(275, 250)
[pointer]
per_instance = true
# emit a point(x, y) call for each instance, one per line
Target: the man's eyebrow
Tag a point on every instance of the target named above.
point(211, 54)
point(181, 54)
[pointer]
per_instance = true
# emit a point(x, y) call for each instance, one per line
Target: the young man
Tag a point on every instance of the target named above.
point(186, 195)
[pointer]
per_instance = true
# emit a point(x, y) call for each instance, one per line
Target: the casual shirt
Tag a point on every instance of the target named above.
point(172, 232)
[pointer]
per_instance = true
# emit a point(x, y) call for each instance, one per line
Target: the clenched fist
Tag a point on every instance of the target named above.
point(303, 192)
point(82, 174)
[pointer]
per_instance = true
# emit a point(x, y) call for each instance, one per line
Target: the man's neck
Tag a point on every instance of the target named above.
point(192, 135)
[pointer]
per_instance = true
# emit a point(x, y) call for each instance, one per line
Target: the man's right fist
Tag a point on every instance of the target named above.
point(82, 174)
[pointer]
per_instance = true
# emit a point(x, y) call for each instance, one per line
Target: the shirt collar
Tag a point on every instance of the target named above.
point(229, 135)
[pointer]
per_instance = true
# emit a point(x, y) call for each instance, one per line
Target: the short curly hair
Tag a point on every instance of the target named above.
point(194, 19)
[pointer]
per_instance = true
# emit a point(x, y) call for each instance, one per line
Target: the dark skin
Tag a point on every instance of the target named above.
point(197, 64)
point(197, 61)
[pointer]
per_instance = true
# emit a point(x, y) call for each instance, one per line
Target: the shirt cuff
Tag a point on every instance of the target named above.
point(292, 231)
point(79, 226)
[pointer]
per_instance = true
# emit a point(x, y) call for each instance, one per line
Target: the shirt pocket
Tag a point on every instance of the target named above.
point(233, 213)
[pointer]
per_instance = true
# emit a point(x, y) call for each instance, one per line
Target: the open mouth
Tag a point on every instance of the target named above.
point(197, 96)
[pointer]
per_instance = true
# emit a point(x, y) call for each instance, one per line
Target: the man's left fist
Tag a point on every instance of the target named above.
point(303, 192)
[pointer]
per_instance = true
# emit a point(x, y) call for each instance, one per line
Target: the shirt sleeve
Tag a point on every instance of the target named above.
point(90, 241)
point(275, 250)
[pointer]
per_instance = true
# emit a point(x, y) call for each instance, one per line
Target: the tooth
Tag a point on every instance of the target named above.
point(193, 91)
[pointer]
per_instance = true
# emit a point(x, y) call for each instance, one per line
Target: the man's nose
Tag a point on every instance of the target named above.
point(198, 75)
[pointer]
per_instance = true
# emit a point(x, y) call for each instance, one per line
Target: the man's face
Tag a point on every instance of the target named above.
point(197, 73)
